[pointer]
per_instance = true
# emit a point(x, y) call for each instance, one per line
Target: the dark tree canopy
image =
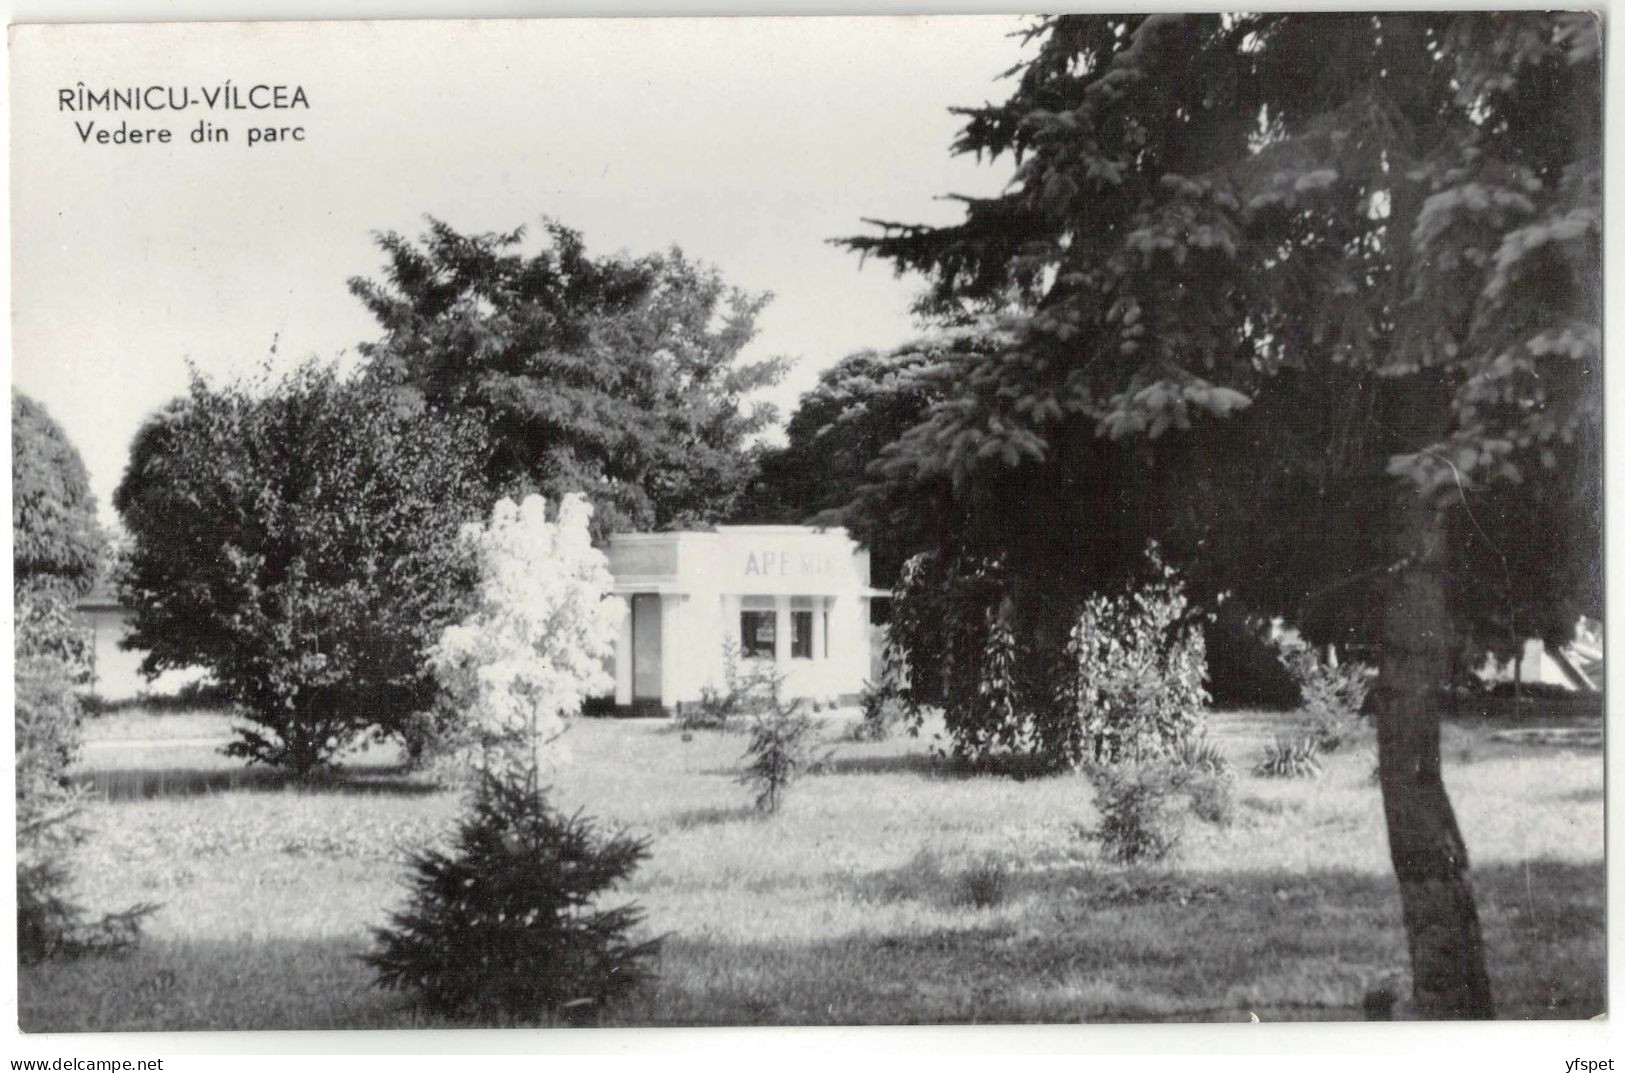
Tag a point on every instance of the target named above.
point(860, 405)
point(612, 376)
point(298, 538)
point(1271, 234)
point(56, 541)
point(1314, 299)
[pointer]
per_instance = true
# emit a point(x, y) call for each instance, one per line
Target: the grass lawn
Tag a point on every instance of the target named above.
point(890, 889)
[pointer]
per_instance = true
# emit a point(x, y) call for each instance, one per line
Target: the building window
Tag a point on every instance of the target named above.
point(756, 634)
point(801, 635)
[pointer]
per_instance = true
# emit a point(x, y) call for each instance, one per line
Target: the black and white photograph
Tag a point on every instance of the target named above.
point(863, 520)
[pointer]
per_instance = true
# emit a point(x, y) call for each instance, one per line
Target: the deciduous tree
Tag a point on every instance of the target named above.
point(616, 377)
point(860, 405)
point(534, 644)
point(57, 540)
point(297, 537)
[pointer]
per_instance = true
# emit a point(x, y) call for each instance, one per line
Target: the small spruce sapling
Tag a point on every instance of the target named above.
point(781, 748)
point(506, 923)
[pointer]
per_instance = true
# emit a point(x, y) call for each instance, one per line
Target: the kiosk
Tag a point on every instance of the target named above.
point(793, 595)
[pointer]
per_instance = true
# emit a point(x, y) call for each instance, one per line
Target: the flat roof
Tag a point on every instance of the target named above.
point(742, 530)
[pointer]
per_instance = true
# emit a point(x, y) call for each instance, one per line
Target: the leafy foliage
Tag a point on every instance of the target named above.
point(1135, 800)
point(1212, 795)
point(56, 541)
point(47, 713)
point(1142, 803)
point(881, 709)
point(1142, 669)
point(618, 378)
point(747, 690)
point(47, 727)
point(533, 646)
point(1244, 665)
point(298, 538)
point(47, 629)
point(57, 547)
point(840, 428)
point(507, 923)
point(1123, 679)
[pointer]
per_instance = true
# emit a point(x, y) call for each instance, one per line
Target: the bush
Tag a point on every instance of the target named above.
point(780, 751)
point(1141, 802)
point(506, 924)
point(47, 714)
point(1212, 796)
point(1333, 696)
point(46, 629)
point(744, 692)
point(881, 710)
point(1134, 799)
point(47, 726)
point(532, 648)
point(983, 885)
point(1290, 757)
point(1244, 665)
point(298, 538)
point(1113, 676)
point(1142, 670)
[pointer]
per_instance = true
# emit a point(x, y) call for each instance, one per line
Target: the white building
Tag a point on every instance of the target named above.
point(790, 594)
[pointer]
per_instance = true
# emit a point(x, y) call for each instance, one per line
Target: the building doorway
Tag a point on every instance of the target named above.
point(646, 650)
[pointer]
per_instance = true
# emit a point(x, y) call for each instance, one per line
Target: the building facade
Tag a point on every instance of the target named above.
point(791, 595)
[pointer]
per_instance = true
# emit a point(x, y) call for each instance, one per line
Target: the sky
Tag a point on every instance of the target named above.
point(747, 141)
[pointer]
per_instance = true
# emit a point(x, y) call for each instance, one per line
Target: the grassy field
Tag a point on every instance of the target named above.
point(890, 889)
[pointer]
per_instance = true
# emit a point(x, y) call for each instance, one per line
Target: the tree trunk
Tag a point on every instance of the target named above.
point(1449, 980)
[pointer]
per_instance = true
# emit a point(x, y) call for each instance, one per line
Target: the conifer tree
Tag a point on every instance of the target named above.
point(1314, 299)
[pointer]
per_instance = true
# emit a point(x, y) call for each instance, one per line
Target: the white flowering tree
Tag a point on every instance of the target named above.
point(534, 647)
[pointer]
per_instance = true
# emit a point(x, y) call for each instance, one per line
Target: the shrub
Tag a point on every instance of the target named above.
point(507, 924)
point(744, 692)
point(1290, 757)
point(1243, 662)
point(298, 538)
point(532, 647)
point(1140, 803)
point(47, 720)
point(1136, 823)
point(1212, 796)
point(1141, 669)
point(1333, 695)
point(780, 750)
point(47, 727)
point(881, 710)
point(983, 885)
point(1113, 676)
point(46, 629)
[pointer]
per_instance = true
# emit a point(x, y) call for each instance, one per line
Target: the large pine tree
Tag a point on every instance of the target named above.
point(1314, 298)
